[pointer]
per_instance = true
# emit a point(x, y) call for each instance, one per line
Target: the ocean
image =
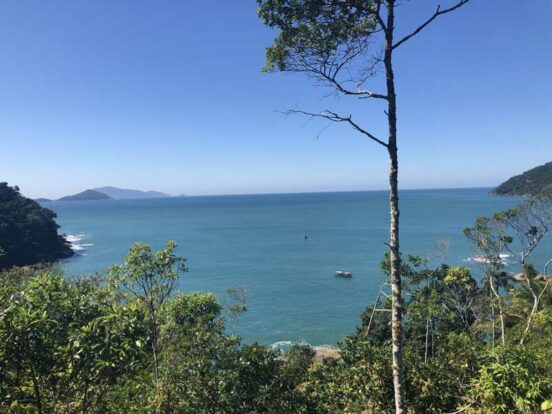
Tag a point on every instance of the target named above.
point(282, 249)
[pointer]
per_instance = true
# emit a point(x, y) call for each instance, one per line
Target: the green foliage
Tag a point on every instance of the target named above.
point(441, 348)
point(149, 278)
point(124, 344)
point(360, 381)
point(490, 237)
point(28, 232)
point(237, 307)
point(510, 381)
point(298, 361)
point(450, 362)
point(311, 31)
point(196, 364)
point(63, 343)
point(436, 385)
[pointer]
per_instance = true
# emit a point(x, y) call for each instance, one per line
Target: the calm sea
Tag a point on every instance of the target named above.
point(257, 243)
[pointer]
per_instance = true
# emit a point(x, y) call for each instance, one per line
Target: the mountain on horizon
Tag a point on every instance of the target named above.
point(125, 193)
point(85, 196)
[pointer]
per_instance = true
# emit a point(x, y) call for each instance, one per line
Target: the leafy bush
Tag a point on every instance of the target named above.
point(510, 381)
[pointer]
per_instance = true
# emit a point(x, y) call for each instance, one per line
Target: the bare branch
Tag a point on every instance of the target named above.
point(437, 13)
point(377, 13)
point(546, 267)
point(332, 116)
point(328, 68)
point(362, 94)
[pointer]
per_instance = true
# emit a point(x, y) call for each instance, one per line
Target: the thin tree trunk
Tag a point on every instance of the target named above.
point(395, 277)
point(396, 295)
point(493, 328)
point(534, 310)
point(500, 312)
point(536, 302)
point(154, 349)
point(154, 344)
point(427, 329)
point(373, 312)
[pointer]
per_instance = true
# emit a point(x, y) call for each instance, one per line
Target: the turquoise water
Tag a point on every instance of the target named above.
point(257, 242)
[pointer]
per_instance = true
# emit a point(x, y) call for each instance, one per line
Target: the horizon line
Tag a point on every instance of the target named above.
point(286, 192)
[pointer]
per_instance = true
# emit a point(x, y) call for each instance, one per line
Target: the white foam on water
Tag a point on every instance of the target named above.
point(324, 347)
point(286, 345)
point(74, 239)
point(282, 345)
point(483, 260)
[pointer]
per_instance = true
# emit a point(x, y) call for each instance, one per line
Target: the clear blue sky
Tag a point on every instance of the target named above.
point(169, 95)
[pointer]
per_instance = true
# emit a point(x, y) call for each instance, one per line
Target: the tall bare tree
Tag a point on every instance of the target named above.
point(334, 42)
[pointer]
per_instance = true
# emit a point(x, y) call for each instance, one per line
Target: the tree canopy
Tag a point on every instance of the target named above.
point(28, 231)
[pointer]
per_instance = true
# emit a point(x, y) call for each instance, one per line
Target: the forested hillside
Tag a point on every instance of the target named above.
point(28, 231)
point(533, 182)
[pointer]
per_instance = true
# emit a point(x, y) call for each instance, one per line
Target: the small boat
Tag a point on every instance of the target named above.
point(341, 273)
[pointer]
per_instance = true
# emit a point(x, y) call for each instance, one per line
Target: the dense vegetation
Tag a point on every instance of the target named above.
point(28, 232)
point(533, 182)
point(123, 342)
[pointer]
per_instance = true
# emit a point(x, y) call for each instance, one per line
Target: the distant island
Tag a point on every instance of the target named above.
point(537, 181)
point(86, 195)
point(108, 193)
point(28, 231)
point(125, 193)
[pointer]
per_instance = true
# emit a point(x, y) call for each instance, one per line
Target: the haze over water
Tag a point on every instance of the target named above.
point(257, 242)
